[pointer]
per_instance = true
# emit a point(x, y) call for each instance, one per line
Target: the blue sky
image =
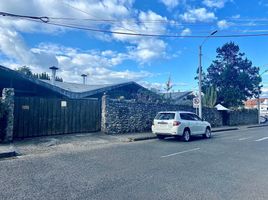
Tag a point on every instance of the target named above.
point(111, 58)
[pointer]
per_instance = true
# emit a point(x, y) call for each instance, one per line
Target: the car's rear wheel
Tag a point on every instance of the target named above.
point(207, 134)
point(186, 135)
point(160, 137)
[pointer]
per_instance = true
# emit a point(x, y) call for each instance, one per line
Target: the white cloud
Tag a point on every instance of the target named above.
point(264, 92)
point(214, 3)
point(12, 45)
point(143, 49)
point(102, 75)
point(223, 24)
point(72, 61)
point(160, 87)
point(99, 65)
point(170, 4)
point(153, 85)
point(147, 50)
point(186, 32)
point(236, 16)
point(199, 14)
point(79, 9)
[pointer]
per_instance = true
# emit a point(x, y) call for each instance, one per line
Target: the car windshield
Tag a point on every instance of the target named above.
point(165, 116)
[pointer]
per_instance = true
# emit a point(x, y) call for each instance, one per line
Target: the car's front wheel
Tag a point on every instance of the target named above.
point(207, 134)
point(186, 135)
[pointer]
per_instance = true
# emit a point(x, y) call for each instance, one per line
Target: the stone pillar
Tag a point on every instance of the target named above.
point(8, 102)
point(104, 100)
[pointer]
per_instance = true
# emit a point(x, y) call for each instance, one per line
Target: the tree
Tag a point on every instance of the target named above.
point(168, 88)
point(25, 70)
point(58, 79)
point(210, 97)
point(233, 76)
point(44, 76)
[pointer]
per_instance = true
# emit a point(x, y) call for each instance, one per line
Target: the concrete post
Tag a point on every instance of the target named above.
point(104, 100)
point(8, 101)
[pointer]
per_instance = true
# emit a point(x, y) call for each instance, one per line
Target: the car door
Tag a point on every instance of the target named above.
point(198, 123)
point(195, 124)
point(192, 123)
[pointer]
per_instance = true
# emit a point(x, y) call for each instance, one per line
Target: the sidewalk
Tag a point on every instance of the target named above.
point(71, 142)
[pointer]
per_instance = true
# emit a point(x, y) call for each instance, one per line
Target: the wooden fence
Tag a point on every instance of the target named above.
point(34, 116)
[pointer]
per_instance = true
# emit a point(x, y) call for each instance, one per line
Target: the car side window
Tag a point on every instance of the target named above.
point(185, 116)
point(195, 117)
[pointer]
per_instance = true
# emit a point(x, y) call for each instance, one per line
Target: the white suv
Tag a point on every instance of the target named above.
point(180, 123)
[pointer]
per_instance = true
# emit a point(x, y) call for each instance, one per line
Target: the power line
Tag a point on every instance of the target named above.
point(46, 20)
point(82, 11)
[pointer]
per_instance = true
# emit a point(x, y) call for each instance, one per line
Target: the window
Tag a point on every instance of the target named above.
point(195, 117)
point(185, 116)
point(165, 116)
point(189, 116)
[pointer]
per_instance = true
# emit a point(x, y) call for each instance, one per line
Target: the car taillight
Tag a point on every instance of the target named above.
point(176, 123)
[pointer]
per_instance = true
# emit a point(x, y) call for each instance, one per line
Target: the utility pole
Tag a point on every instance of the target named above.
point(259, 101)
point(200, 74)
point(200, 81)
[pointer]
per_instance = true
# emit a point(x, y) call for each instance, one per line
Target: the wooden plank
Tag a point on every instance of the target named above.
point(54, 117)
point(83, 117)
point(45, 118)
point(88, 116)
point(60, 129)
point(34, 116)
point(66, 120)
point(63, 120)
point(16, 117)
point(57, 117)
point(25, 119)
point(40, 130)
point(69, 115)
point(79, 117)
point(20, 120)
point(30, 117)
point(50, 115)
point(74, 116)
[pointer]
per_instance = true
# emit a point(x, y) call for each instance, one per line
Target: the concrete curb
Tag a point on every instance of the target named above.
point(225, 129)
point(7, 152)
point(135, 139)
point(257, 126)
point(141, 138)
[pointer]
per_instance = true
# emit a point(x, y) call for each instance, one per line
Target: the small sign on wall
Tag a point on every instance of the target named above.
point(25, 107)
point(63, 104)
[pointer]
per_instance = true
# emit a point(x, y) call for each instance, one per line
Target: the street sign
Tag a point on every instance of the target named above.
point(195, 102)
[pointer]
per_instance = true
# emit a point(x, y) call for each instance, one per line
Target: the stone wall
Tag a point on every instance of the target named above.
point(127, 116)
point(243, 117)
point(7, 102)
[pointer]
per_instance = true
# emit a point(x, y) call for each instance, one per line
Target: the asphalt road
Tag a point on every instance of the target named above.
point(231, 165)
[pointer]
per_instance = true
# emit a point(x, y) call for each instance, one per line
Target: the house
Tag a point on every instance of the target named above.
point(30, 86)
point(253, 104)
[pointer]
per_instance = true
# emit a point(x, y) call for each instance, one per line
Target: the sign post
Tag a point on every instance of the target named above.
point(196, 103)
